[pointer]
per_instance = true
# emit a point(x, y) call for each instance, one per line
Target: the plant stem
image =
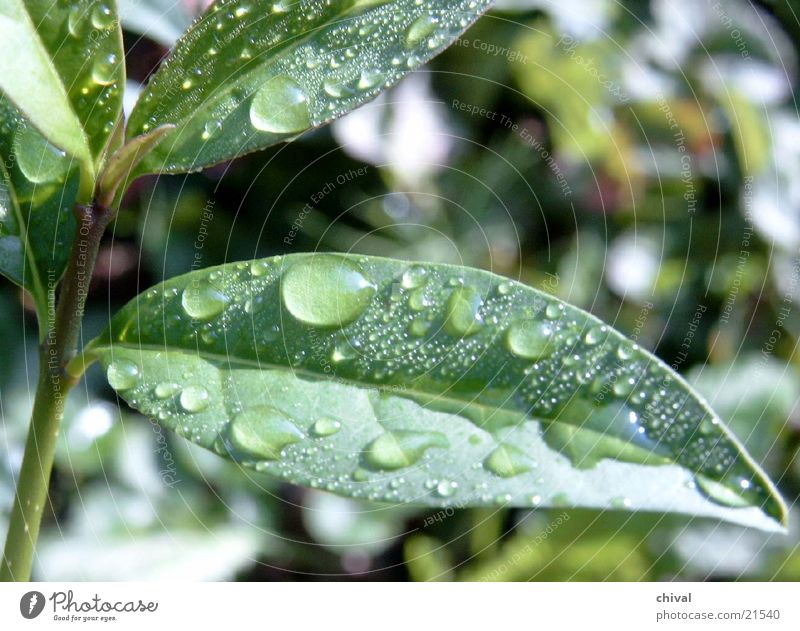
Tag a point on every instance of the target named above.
point(59, 346)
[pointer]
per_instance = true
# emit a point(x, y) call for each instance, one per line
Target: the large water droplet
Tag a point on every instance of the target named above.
point(414, 277)
point(166, 390)
point(76, 20)
point(280, 106)
point(530, 339)
point(446, 488)
point(508, 461)
point(104, 70)
point(326, 291)
point(463, 312)
point(122, 374)
point(202, 300)
point(102, 17)
point(327, 427)
point(194, 399)
point(402, 448)
point(38, 159)
point(263, 432)
point(722, 493)
point(420, 28)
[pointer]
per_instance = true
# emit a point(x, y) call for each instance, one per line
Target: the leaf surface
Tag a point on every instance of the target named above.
point(61, 64)
point(38, 186)
point(428, 384)
point(250, 74)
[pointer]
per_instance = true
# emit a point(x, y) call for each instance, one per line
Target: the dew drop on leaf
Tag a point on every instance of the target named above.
point(402, 448)
point(194, 399)
point(38, 160)
point(104, 70)
point(263, 432)
point(327, 427)
point(202, 300)
point(722, 493)
point(76, 20)
point(445, 488)
point(166, 390)
point(463, 317)
point(414, 277)
point(102, 17)
point(280, 106)
point(326, 291)
point(530, 339)
point(420, 28)
point(122, 374)
point(508, 461)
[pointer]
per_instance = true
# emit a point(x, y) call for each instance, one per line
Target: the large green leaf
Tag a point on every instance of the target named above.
point(430, 384)
point(39, 184)
point(61, 64)
point(250, 73)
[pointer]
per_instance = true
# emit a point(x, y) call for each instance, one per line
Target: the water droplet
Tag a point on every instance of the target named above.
point(194, 399)
point(370, 79)
point(722, 493)
point(463, 312)
point(326, 291)
point(508, 461)
point(504, 289)
point(418, 299)
point(104, 70)
point(280, 106)
point(122, 374)
point(419, 327)
point(414, 277)
point(326, 427)
point(202, 300)
point(102, 17)
point(621, 503)
point(446, 488)
point(554, 310)
point(420, 28)
point(530, 339)
point(38, 160)
point(402, 448)
point(166, 390)
point(263, 432)
point(76, 20)
point(259, 268)
point(595, 335)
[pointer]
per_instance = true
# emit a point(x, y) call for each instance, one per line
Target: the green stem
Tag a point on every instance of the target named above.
point(58, 348)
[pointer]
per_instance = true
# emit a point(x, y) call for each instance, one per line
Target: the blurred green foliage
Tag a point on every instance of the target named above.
point(638, 159)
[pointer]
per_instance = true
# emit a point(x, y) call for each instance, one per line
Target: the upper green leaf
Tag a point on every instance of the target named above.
point(250, 73)
point(61, 63)
point(40, 184)
point(424, 383)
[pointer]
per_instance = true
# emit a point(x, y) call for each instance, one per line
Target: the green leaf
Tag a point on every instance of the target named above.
point(428, 384)
point(122, 163)
point(61, 64)
point(250, 74)
point(38, 186)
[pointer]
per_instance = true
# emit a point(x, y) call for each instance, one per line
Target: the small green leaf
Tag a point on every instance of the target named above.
point(61, 64)
point(250, 74)
point(121, 165)
point(39, 184)
point(428, 384)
